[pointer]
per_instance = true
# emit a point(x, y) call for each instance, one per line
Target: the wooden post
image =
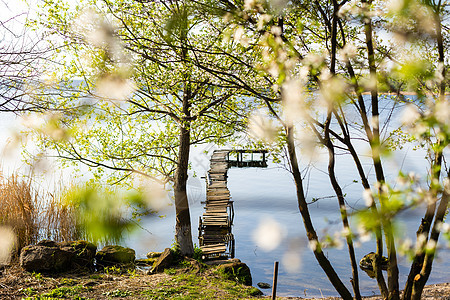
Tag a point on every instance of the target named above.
point(275, 279)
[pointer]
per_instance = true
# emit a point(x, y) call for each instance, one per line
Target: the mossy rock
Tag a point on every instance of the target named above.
point(255, 292)
point(164, 261)
point(113, 255)
point(366, 263)
point(154, 254)
point(46, 258)
point(84, 252)
point(236, 271)
point(146, 261)
point(52, 257)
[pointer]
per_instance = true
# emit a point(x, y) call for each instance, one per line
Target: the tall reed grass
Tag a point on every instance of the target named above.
point(33, 215)
point(19, 209)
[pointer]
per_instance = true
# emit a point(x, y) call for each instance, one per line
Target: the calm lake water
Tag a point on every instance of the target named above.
point(267, 195)
point(264, 196)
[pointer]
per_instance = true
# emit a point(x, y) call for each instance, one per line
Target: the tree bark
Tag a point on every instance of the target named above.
point(393, 273)
point(379, 238)
point(331, 162)
point(417, 266)
point(310, 231)
point(343, 210)
point(183, 235)
point(421, 279)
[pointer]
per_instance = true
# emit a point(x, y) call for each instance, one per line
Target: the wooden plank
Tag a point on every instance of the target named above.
point(218, 197)
point(219, 157)
point(219, 164)
point(216, 201)
point(220, 204)
point(222, 223)
point(218, 220)
point(221, 151)
point(215, 213)
point(217, 181)
point(217, 170)
point(222, 193)
point(218, 192)
point(216, 189)
point(215, 209)
point(221, 177)
point(212, 249)
point(218, 185)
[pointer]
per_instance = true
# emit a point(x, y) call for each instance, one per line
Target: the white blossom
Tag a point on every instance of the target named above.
point(410, 115)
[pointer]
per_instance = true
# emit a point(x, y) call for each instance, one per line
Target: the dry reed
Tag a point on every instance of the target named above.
point(19, 209)
point(33, 215)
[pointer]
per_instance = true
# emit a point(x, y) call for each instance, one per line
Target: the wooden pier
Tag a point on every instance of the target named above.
point(215, 236)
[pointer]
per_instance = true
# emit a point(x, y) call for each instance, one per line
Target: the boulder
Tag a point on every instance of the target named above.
point(46, 257)
point(164, 261)
point(366, 263)
point(84, 253)
point(47, 243)
point(51, 257)
point(145, 262)
point(153, 254)
point(237, 271)
point(115, 255)
point(263, 285)
point(255, 292)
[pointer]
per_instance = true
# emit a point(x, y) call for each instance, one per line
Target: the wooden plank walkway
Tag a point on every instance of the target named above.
point(215, 236)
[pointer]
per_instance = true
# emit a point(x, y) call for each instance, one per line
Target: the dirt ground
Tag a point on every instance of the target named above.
point(431, 292)
point(18, 284)
point(175, 283)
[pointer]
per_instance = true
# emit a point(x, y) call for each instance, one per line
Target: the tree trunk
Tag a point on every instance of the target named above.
point(344, 218)
point(183, 235)
point(379, 239)
point(418, 263)
point(393, 273)
point(331, 161)
point(310, 231)
point(421, 279)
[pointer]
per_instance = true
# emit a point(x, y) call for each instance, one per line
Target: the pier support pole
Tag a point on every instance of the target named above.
point(275, 279)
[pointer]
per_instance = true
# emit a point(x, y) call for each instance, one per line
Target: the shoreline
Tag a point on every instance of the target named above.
point(190, 281)
point(438, 291)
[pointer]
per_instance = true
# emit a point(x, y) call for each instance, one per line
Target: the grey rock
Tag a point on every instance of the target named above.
point(52, 257)
point(366, 263)
point(153, 254)
point(84, 252)
point(164, 261)
point(237, 271)
point(40, 258)
point(115, 255)
point(264, 285)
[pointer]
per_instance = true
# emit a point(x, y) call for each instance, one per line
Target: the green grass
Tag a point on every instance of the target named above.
point(117, 293)
point(189, 286)
point(63, 292)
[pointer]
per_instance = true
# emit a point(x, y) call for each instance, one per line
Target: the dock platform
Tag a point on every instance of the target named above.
point(215, 236)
